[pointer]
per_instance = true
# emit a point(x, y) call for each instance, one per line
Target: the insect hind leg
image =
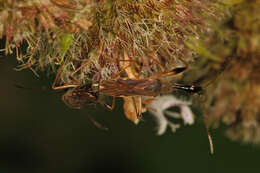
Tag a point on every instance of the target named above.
point(178, 70)
point(172, 72)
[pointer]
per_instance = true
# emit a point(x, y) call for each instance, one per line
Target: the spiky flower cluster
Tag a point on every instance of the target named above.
point(46, 27)
point(93, 36)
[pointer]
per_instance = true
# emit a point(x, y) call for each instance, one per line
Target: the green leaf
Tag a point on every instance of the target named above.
point(65, 42)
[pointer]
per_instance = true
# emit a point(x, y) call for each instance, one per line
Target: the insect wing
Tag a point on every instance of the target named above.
point(131, 87)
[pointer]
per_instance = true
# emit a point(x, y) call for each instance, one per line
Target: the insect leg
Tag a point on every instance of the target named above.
point(207, 126)
point(97, 124)
point(121, 71)
point(108, 106)
point(125, 65)
point(172, 72)
point(97, 55)
point(54, 87)
point(137, 101)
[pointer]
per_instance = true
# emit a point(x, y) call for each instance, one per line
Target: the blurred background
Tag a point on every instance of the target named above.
point(39, 133)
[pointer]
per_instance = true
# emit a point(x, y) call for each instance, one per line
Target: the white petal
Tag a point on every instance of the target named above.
point(187, 115)
point(160, 105)
point(161, 121)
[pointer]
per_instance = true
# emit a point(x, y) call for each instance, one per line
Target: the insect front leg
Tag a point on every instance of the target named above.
point(107, 105)
point(96, 56)
point(57, 78)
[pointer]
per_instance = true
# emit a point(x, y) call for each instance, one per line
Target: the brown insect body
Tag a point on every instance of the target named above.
point(83, 95)
point(131, 87)
point(144, 87)
point(79, 97)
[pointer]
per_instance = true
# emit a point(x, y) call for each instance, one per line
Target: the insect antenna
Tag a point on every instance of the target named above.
point(196, 89)
point(97, 124)
point(19, 86)
point(205, 117)
point(223, 67)
point(220, 72)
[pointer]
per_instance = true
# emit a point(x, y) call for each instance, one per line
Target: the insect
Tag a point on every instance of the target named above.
point(78, 95)
point(144, 87)
point(152, 87)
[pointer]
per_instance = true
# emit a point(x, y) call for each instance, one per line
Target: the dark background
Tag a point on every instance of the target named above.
point(39, 133)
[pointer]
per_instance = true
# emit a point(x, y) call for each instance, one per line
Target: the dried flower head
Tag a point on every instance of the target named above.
point(87, 42)
point(232, 52)
point(91, 35)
